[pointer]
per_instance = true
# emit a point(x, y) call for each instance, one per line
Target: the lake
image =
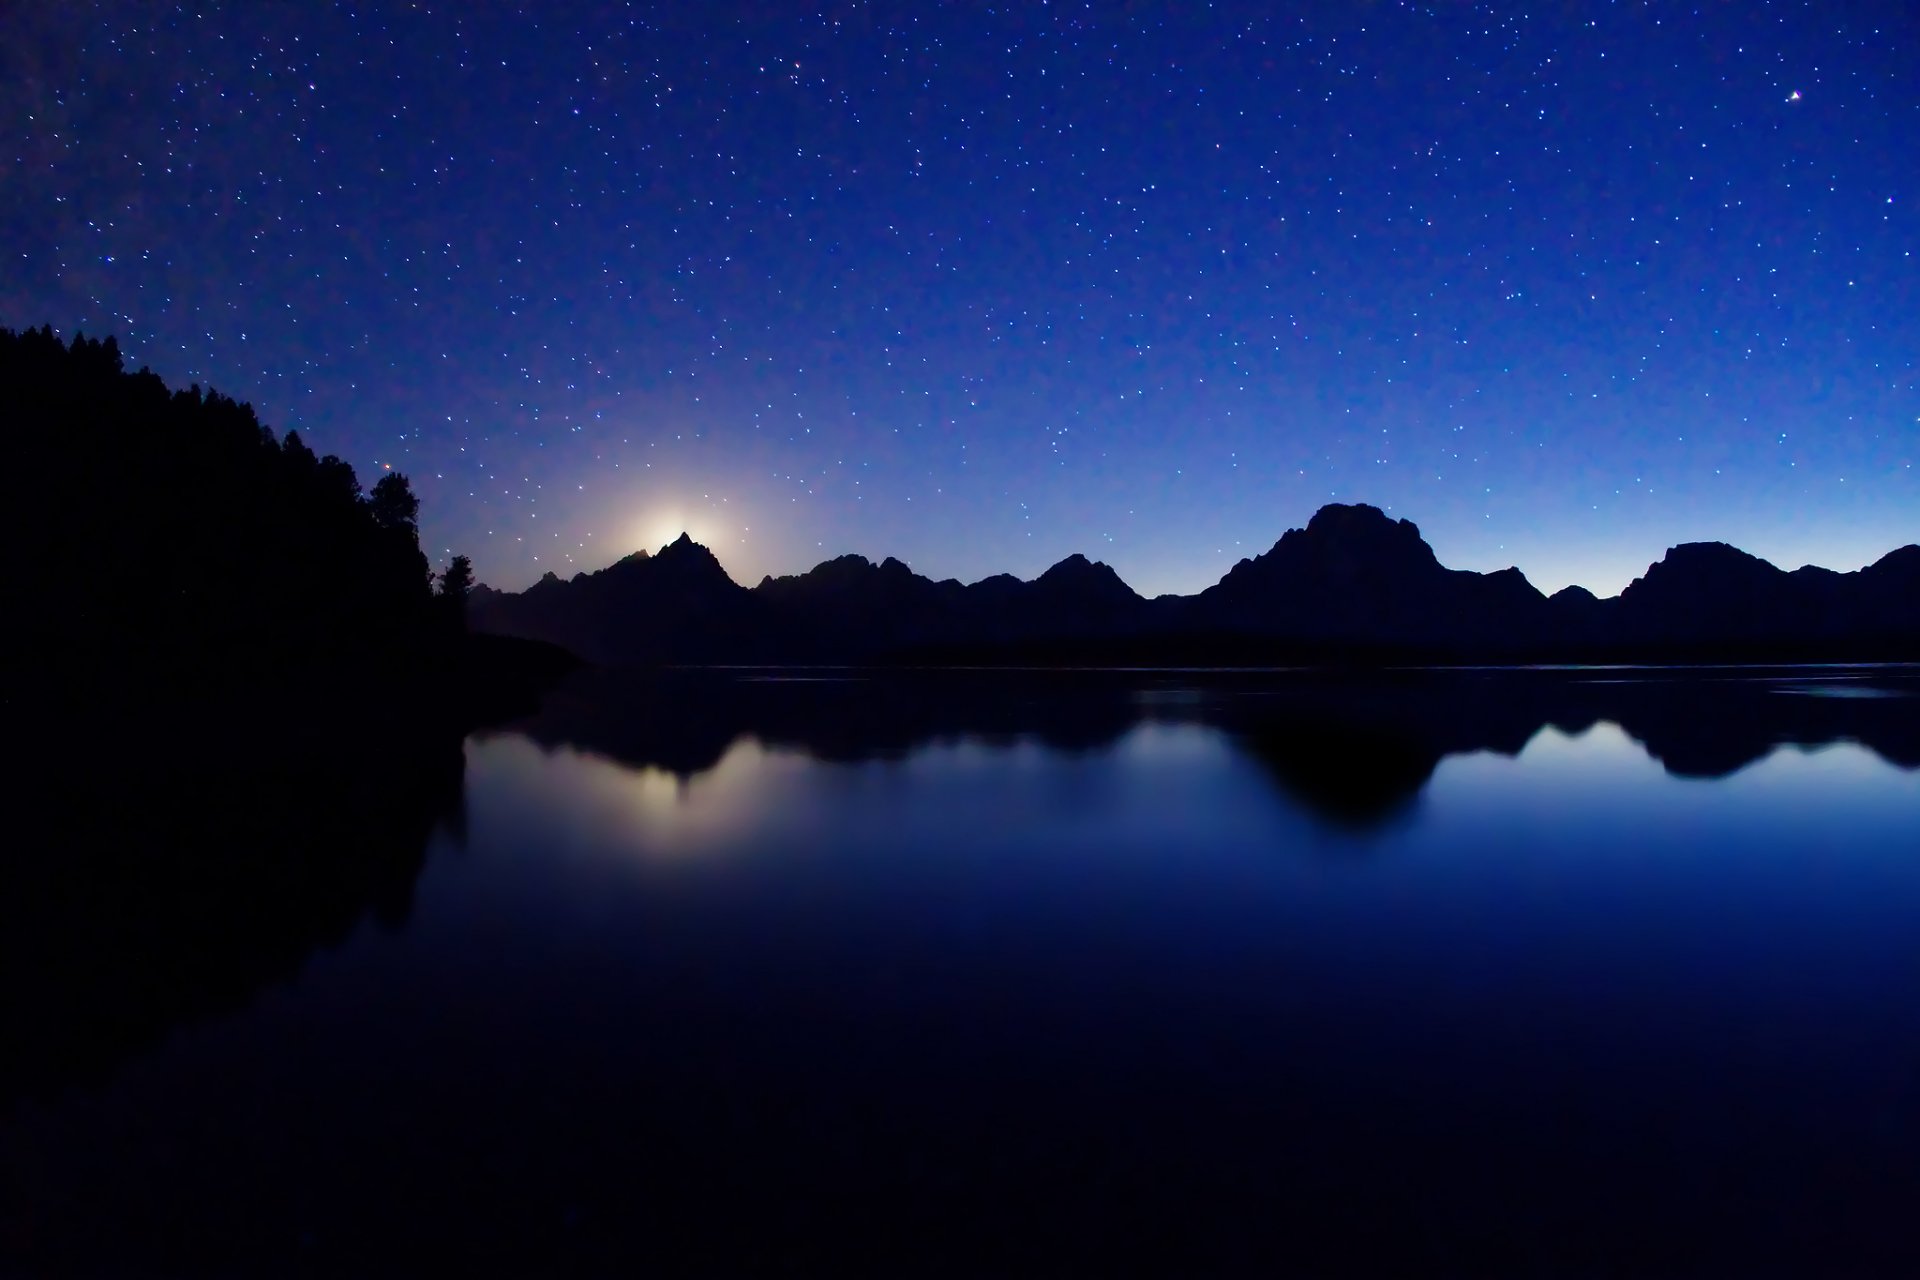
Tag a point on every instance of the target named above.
point(1571, 971)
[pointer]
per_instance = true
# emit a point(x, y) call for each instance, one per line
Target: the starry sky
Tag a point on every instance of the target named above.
point(983, 284)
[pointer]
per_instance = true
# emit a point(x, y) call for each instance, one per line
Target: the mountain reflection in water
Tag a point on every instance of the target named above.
point(984, 972)
point(1352, 749)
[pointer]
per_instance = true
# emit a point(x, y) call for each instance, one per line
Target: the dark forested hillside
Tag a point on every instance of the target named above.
point(168, 535)
point(238, 696)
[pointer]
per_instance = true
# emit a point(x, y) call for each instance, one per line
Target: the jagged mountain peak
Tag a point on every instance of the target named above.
point(839, 574)
point(631, 563)
point(1363, 530)
point(684, 551)
point(1091, 581)
point(1690, 568)
point(1343, 517)
point(683, 547)
point(849, 581)
point(1354, 580)
point(1341, 543)
point(1078, 566)
point(1710, 554)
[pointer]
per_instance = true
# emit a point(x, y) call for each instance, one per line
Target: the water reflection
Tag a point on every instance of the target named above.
point(1040, 973)
point(1353, 751)
point(587, 799)
point(111, 938)
point(150, 890)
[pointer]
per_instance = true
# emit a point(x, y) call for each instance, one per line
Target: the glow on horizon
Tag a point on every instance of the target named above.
point(1604, 572)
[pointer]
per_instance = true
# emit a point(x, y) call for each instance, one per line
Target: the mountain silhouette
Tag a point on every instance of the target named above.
point(1707, 599)
point(1091, 585)
point(675, 605)
point(1076, 600)
point(1356, 576)
point(850, 607)
point(1354, 585)
point(1704, 590)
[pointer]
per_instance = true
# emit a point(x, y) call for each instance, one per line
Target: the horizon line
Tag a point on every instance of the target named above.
point(687, 536)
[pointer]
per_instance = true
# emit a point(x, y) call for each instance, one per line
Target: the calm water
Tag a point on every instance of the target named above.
point(1573, 971)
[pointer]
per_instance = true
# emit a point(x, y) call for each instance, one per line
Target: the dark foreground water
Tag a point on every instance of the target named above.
point(1567, 972)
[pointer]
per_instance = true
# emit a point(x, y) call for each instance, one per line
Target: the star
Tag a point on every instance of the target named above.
point(914, 269)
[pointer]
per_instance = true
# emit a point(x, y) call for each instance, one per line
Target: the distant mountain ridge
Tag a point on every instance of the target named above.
point(1353, 585)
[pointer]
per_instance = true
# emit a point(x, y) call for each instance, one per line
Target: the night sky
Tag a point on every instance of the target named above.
point(983, 285)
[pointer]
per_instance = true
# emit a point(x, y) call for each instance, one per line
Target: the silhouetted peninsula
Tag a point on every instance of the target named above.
point(1353, 586)
point(169, 553)
point(239, 694)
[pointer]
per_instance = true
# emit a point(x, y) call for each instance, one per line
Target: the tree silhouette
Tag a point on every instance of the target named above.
point(457, 582)
point(257, 560)
point(239, 699)
point(450, 601)
point(394, 506)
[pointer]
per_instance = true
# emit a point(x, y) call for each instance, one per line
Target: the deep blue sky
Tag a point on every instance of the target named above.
point(982, 285)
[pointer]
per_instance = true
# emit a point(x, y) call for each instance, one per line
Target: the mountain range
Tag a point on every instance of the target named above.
point(1354, 585)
